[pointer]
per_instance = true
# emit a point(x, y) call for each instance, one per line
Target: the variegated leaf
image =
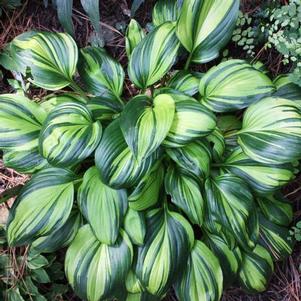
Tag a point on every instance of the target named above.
point(133, 36)
point(202, 278)
point(101, 74)
point(51, 57)
point(154, 56)
point(146, 123)
point(42, 207)
point(115, 161)
point(272, 138)
point(205, 27)
point(185, 192)
point(166, 11)
point(256, 270)
point(97, 271)
point(102, 206)
point(169, 238)
point(69, 134)
point(233, 85)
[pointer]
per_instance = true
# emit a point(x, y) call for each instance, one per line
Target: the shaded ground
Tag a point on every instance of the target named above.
point(286, 283)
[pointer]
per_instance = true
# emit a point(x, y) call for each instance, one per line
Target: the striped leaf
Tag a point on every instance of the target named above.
point(185, 192)
point(166, 11)
point(60, 238)
point(262, 178)
point(202, 278)
point(191, 121)
point(52, 58)
point(276, 209)
point(205, 27)
point(142, 297)
point(195, 157)
point(256, 270)
point(42, 207)
point(154, 56)
point(233, 85)
point(134, 226)
point(69, 134)
point(230, 204)
point(116, 163)
point(145, 124)
point(164, 254)
point(217, 143)
point(275, 238)
point(20, 123)
point(185, 82)
point(24, 161)
point(272, 138)
point(96, 271)
point(229, 259)
point(285, 88)
point(133, 36)
point(102, 206)
point(146, 193)
point(104, 109)
point(100, 74)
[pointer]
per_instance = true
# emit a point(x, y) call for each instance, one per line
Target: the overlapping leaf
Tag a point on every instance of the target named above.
point(164, 254)
point(285, 88)
point(272, 138)
point(43, 206)
point(166, 11)
point(103, 207)
point(202, 278)
point(204, 27)
point(233, 85)
point(115, 161)
point(133, 36)
point(154, 56)
point(145, 124)
point(69, 134)
point(95, 270)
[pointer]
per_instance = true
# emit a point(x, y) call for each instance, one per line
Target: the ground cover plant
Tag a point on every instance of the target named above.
point(178, 186)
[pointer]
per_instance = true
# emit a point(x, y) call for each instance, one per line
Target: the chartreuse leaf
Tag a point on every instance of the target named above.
point(165, 11)
point(132, 283)
point(276, 208)
point(195, 157)
point(133, 36)
point(256, 270)
point(191, 121)
point(102, 206)
point(275, 238)
point(185, 191)
point(146, 193)
point(202, 278)
point(134, 226)
point(185, 82)
point(52, 58)
point(272, 138)
point(145, 124)
point(20, 122)
point(96, 271)
point(168, 241)
point(69, 134)
point(233, 85)
point(230, 204)
point(60, 238)
point(205, 27)
point(43, 206)
point(101, 74)
point(115, 161)
point(285, 88)
point(154, 56)
point(261, 177)
point(229, 259)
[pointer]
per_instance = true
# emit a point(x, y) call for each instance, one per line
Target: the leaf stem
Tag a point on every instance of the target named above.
point(76, 88)
point(188, 61)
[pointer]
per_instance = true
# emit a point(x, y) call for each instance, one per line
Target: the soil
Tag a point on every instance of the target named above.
point(286, 282)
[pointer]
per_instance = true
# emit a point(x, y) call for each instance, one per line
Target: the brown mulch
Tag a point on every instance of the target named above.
point(285, 284)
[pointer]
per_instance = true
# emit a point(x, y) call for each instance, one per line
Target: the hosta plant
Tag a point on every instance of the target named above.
point(178, 186)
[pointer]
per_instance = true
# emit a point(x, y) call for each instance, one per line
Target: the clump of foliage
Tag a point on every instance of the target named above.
point(171, 188)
